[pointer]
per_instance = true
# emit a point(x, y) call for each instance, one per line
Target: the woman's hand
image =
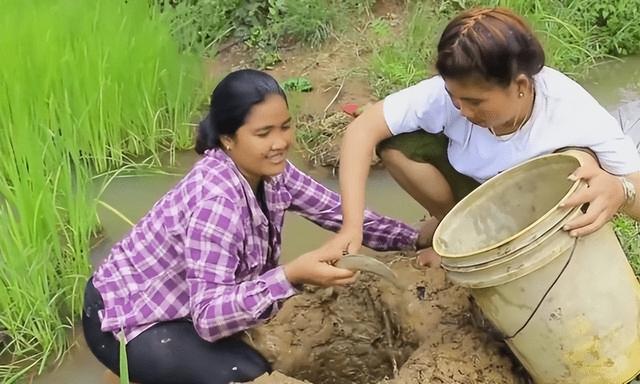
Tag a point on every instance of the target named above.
point(426, 232)
point(344, 242)
point(314, 268)
point(604, 193)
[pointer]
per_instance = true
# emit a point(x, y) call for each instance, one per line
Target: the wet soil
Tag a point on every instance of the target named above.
point(371, 332)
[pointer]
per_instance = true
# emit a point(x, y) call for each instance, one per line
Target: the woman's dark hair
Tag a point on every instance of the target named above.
point(231, 101)
point(493, 43)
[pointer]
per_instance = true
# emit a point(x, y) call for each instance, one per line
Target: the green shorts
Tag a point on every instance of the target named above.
point(425, 147)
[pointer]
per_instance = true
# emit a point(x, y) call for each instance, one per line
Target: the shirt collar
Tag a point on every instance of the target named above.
point(272, 188)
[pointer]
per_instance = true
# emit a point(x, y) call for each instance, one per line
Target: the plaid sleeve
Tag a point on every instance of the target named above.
point(221, 306)
point(321, 205)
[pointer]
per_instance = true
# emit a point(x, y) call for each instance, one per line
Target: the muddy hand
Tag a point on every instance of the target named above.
point(604, 194)
point(315, 268)
point(344, 242)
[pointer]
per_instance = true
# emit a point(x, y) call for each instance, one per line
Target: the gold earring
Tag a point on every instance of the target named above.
point(521, 94)
point(228, 148)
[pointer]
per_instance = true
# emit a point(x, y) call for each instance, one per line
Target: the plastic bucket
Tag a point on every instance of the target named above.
point(568, 309)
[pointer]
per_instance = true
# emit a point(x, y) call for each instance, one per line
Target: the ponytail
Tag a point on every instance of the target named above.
point(207, 137)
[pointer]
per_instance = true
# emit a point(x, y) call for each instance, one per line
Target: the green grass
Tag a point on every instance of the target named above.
point(265, 26)
point(87, 87)
point(628, 231)
point(400, 61)
point(577, 35)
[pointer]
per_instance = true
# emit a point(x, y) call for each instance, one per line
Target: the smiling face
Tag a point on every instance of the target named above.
point(503, 109)
point(259, 147)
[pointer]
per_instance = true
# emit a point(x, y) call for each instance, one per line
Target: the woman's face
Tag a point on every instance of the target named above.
point(489, 105)
point(260, 146)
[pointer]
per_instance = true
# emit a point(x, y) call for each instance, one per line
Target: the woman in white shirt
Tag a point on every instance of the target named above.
point(493, 105)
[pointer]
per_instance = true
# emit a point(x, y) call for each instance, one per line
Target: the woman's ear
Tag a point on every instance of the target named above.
point(523, 84)
point(227, 142)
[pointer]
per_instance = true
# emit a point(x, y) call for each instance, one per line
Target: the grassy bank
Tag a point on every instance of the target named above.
point(265, 26)
point(87, 86)
point(577, 36)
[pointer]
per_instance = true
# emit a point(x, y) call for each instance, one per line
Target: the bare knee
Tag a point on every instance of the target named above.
point(392, 158)
point(423, 181)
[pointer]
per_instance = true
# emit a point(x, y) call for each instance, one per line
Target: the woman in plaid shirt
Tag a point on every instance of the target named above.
point(202, 265)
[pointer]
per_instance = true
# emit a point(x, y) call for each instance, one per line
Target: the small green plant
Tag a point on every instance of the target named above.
point(297, 84)
point(628, 231)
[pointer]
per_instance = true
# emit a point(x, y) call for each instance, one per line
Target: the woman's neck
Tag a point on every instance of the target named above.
point(253, 180)
point(526, 108)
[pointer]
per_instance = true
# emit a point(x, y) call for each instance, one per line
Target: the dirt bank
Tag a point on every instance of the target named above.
point(373, 333)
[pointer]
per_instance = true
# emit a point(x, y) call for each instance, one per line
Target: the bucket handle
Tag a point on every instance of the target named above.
point(546, 293)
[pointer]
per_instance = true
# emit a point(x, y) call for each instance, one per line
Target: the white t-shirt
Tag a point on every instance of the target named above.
point(564, 115)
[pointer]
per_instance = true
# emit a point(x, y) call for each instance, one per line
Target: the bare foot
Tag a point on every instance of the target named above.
point(428, 258)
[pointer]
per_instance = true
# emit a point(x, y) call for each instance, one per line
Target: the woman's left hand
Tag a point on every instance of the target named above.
point(604, 193)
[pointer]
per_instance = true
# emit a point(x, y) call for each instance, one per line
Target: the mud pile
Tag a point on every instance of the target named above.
point(372, 332)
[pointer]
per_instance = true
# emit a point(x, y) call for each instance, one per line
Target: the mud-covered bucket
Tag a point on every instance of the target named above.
point(568, 308)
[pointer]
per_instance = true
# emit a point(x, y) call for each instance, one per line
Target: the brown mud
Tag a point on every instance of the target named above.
point(372, 332)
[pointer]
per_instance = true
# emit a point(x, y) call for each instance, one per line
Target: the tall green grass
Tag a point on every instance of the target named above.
point(403, 58)
point(84, 87)
point(108, 73)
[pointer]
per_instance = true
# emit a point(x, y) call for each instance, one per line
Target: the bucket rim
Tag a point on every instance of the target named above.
point(471, 268)
point(576, 184)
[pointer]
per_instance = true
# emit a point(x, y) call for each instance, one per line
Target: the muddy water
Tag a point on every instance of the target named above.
point(612, 83)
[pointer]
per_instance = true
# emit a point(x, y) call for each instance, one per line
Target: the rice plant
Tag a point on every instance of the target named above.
point(84, 87)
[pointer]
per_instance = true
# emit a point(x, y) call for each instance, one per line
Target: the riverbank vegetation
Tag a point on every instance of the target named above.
point(88, 87)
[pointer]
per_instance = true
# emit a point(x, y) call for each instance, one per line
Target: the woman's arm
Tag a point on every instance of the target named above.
point(319, 204)
point(358, 145)
point(221, 306)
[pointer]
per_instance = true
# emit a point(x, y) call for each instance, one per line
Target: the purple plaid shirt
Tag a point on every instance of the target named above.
point(205, 252)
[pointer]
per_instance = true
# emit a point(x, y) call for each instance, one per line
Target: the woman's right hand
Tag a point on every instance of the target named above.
point(316, 268)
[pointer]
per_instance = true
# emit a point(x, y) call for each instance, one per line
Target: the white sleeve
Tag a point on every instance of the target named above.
point(615, 150)
point(422, 106)
point(587, 124)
